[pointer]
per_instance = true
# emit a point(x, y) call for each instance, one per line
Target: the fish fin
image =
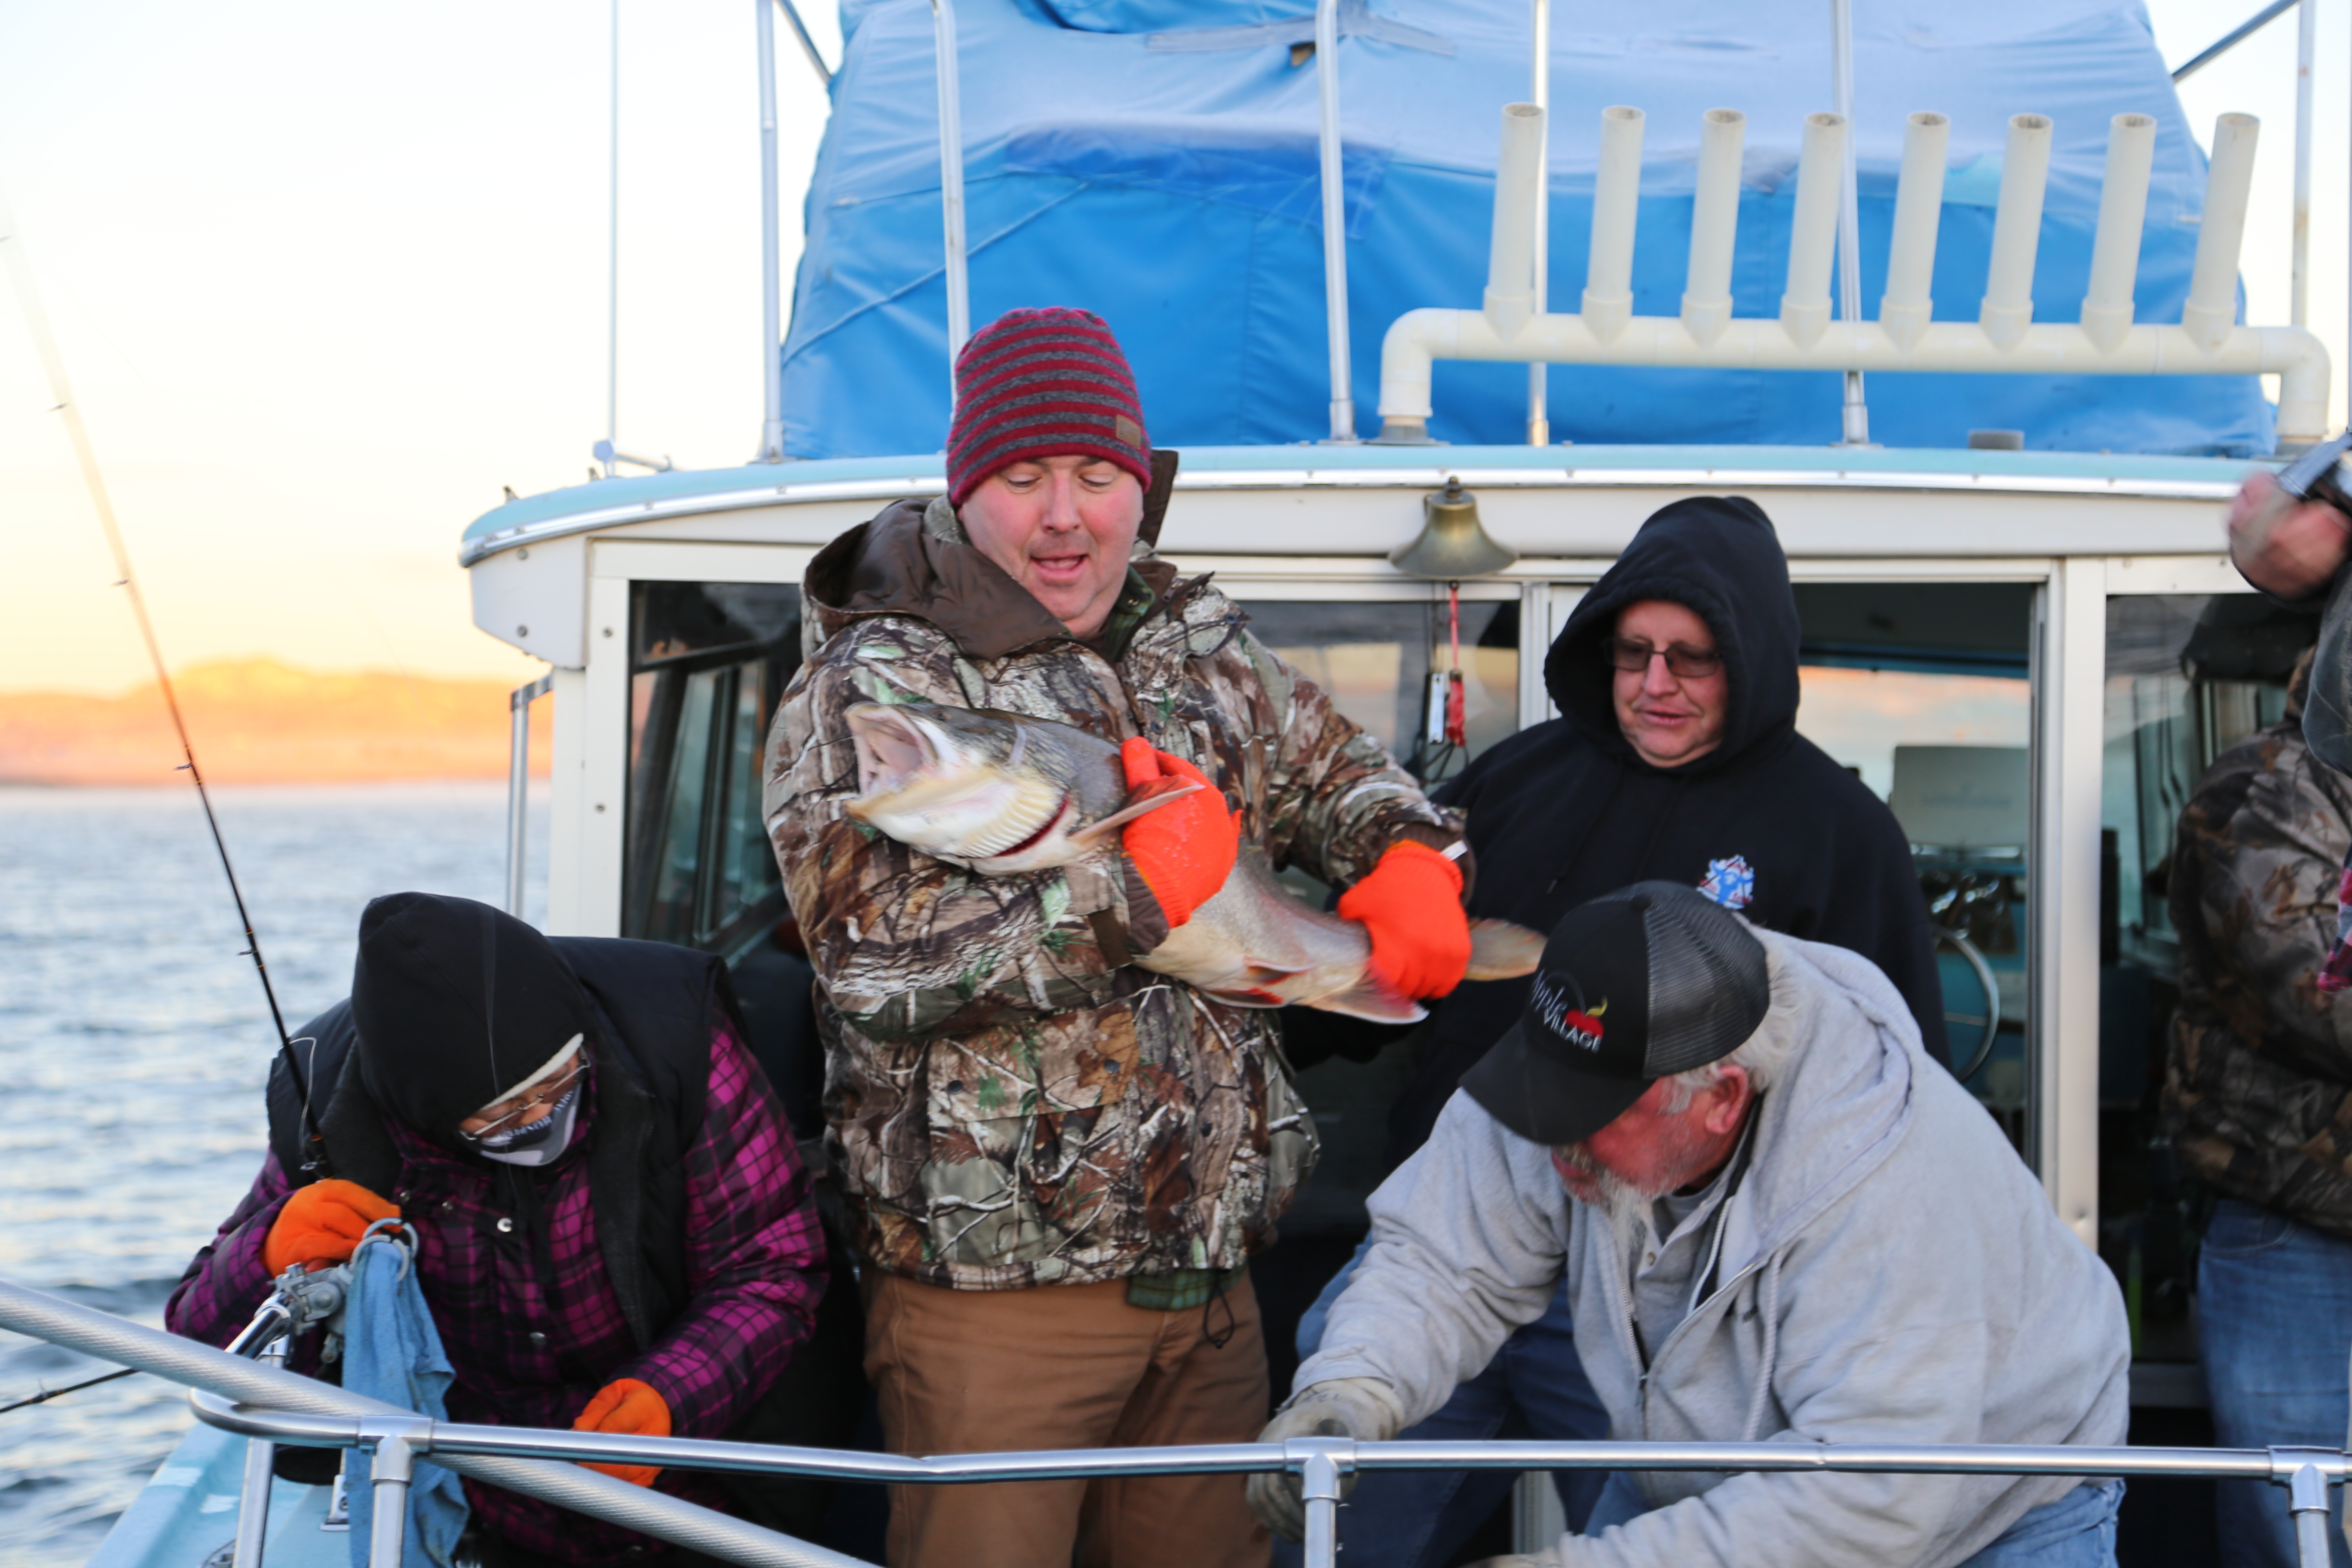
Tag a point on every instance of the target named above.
point(1150, 797)
point(1371, 999)
point(1501, 950)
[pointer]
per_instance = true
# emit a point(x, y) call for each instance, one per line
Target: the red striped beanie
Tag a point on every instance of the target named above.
point(1048, 382)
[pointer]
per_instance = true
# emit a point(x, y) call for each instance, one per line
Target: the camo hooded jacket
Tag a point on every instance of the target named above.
point(2258, 1087)
point(1009, 1100)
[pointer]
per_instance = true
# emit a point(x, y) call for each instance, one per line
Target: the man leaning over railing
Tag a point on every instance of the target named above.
point(1787, 1225)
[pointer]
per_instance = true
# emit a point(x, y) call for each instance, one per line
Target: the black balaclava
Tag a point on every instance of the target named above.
point(455, 1004)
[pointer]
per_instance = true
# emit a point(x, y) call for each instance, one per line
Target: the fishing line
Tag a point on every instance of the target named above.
point(49, 1394)
point(20, 268)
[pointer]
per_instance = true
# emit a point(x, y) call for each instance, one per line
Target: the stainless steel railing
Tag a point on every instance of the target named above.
point(278, 1407)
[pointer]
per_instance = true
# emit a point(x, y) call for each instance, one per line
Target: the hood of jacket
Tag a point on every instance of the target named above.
point(896, 565)
point(1718, 556)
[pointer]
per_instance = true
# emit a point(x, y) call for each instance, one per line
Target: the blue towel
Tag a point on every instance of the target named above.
point(393, 1352)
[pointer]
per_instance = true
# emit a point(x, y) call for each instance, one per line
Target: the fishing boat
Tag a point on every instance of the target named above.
point(1951, 292)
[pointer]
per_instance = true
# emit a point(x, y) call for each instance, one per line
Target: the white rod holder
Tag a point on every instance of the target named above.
point(1335, 220)
point(1908, 304)
point(1511, 253)
point(2123, 213)
point(943, 36)
point(1616, 197)
point(772, 314)
point(2007, 308)
point(2213, 308)
point(1812, 230)
point(1715, 224)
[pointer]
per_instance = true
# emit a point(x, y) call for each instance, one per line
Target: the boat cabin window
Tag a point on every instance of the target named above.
point(707, 663)
point(1923, 690)
point(2188, 677)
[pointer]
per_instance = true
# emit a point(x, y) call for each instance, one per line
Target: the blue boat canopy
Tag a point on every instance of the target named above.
point(1155, 160)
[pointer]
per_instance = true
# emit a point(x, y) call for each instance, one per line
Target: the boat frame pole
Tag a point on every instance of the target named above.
point(1854, 417)
point(943, 38)
point(771, 312)
point(1539, 94)
point(519, 703)
point(1335, 221)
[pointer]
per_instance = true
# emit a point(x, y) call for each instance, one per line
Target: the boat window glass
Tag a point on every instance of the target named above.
point(1922, 689)
point(1375, 661)
point(2188, 677)
point(709, 662)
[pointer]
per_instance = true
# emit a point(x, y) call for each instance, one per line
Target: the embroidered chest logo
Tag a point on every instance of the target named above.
point(1572, 1023)
point(1731, 883)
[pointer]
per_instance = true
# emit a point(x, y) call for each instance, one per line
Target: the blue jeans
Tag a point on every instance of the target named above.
point(2275, 1328)
point(2078, 1531)
point(1534, 1387)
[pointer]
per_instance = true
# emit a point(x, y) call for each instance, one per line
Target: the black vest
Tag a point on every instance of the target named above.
point(658, 1005)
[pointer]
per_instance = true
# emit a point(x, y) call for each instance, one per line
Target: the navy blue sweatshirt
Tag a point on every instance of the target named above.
point(1767, 823)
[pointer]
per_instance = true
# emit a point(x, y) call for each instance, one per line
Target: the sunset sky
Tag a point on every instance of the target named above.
point(327, 277)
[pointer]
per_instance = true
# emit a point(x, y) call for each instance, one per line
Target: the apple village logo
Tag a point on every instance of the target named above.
point(1731, 883)
point(1574, 1024)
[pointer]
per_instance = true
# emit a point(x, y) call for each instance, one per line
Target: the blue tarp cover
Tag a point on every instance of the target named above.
point(1128, 156)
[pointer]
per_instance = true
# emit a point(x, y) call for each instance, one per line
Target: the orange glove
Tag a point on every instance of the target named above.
point(1411, 905)
point(625, 1404)
point(322, 1223)
point(1184, 850)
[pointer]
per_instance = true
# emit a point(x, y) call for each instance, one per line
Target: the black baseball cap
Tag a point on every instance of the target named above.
point(1636, 985)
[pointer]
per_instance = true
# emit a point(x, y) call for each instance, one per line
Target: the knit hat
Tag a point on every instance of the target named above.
point(1048, 382)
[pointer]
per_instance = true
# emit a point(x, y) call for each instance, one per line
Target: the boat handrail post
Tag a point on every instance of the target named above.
point(2304, 1472)
point(393, 1442)
point(943, 39)
point(1320, 1463)
point(1335, 220)
point(253, 1496)
point(519, 703)
point(772, 315)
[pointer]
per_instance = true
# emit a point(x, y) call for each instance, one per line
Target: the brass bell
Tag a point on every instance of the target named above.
point(1452, 544)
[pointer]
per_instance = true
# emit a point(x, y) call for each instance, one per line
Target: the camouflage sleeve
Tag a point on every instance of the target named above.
point(2268, 897)
point(1335, 800)
point(905, 945)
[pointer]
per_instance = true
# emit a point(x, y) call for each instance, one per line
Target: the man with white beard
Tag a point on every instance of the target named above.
point(1787, 1224)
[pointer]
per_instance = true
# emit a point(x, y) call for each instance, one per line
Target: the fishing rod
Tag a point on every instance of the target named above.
point(49, 1394)
point(20, 268)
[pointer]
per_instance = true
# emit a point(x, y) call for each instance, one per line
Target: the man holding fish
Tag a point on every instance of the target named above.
point(1026, 796)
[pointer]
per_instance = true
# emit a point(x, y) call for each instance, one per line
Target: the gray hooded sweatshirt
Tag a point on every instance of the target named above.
point(1887, 1272)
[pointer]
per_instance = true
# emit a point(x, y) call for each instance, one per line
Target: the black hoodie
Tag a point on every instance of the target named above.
point(1566, 811)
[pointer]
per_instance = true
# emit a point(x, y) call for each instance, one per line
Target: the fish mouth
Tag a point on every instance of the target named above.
point(892, 747)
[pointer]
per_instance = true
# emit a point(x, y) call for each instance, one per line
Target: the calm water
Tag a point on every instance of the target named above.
point(133, 1045)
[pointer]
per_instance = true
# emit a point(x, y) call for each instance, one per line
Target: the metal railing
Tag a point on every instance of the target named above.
point(277, 1407)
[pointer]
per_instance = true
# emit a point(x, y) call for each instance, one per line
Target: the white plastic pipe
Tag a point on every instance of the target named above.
point(1813, 231)
point(2212, 307)
point(2123, 213)
point(1616, 195)
point(1908, 304)
point(1715, 224)
point(1511, 253)
point(2007, 308)
point(943, 34)
point(1335, 221)
point(1419, 337)
point(2305, 53)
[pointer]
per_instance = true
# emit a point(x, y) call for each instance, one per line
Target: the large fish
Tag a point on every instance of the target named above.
point(1003, 792)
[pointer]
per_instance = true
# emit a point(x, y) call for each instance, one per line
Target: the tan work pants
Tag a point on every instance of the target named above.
point(1066, 1366)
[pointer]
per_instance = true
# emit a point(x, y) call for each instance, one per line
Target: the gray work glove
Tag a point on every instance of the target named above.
point(1362, 1408)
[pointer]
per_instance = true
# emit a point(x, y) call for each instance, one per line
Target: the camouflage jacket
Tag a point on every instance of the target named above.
point(2258, 1086)
point(1009, 1100)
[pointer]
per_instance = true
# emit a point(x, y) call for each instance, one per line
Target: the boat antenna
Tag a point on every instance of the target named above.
point(12, 244)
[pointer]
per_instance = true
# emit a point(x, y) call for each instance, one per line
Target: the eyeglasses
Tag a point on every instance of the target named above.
point(534, 1101)
point(1683, 661)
